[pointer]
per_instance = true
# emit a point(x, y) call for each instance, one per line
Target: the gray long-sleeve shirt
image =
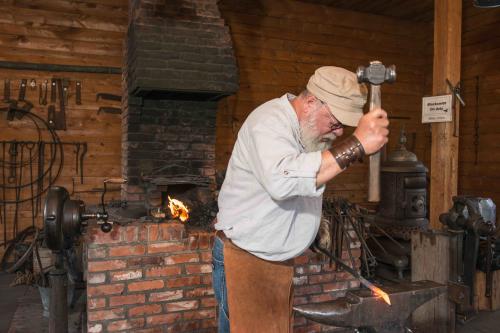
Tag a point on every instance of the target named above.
point(269, 204)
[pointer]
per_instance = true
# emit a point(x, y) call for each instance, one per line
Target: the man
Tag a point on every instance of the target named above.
point(270, 201)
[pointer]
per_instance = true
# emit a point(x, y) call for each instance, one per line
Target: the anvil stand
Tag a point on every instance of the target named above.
point(364, 312)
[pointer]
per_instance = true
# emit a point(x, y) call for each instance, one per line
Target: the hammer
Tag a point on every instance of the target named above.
point(375, 74)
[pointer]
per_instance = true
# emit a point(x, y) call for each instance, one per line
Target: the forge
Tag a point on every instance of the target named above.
point(171, 87)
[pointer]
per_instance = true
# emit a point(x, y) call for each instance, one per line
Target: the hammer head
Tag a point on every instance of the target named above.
point(376, 73)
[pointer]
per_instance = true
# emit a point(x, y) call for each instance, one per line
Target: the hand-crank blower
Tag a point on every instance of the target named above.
point(63, 219)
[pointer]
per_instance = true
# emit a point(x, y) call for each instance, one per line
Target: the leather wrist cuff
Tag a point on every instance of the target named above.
point(347, 151)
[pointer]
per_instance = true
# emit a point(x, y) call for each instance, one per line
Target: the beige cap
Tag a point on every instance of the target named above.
point(339, 88)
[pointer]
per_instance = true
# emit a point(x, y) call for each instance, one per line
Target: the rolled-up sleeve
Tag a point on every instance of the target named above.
point(278, 165)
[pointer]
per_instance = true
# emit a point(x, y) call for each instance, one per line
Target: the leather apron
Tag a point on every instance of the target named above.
point(259, 292)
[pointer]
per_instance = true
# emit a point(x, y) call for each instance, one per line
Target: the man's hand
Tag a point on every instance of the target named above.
point(372, 131)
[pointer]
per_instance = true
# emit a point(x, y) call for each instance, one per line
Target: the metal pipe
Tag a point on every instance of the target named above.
point(58, 316)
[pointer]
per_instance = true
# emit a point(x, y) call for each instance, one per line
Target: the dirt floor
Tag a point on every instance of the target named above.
point(484, 322)
point(8, 301)
point(21, 311)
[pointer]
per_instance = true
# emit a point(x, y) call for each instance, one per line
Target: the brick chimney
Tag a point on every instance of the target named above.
point(179, 61)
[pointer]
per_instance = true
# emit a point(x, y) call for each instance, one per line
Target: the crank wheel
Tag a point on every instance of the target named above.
point(53, 217)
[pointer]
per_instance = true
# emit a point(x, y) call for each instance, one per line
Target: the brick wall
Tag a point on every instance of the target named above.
point(149, 276)
point(146, 277)
point(317, 281)
point(167, 138)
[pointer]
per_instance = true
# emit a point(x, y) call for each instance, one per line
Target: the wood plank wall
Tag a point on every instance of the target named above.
point(279, 44)
point(62, 32)
point(480, 65)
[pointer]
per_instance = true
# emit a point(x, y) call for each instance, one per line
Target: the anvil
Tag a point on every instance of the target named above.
point(361, 309)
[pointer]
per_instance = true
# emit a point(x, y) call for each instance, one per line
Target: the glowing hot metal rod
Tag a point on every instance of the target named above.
point(361, 279)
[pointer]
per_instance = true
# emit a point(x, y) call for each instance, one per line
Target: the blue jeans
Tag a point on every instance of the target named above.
point(219, 284)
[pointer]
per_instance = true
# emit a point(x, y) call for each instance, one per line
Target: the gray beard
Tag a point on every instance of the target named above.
point(310, 137)
point(318, 144)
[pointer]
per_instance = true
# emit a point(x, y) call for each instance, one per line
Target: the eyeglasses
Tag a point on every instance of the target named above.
point(334, 123)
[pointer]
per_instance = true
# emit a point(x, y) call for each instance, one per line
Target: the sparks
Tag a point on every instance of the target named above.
point(178, 209)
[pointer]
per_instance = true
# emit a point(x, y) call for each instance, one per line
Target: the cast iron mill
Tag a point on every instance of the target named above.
point(63, 221)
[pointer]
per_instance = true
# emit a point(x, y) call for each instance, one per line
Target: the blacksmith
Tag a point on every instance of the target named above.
point(270, 202)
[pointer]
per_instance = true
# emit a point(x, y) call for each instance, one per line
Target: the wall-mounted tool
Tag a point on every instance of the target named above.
point(53, 90)
point(42, 92)
point(60, 116)
point(109, 97)
point(40, 173)
point(51, 116)
point(17, 109)
point(78, 92)
point(65, 90)
point(12, 162)
point(37, 161)
point(77, 155)
point(22, 90)
point(109, 109)
point(6, 90)
point(455, 90)
point(375, 74)
point(82, 157)
point(32, 84)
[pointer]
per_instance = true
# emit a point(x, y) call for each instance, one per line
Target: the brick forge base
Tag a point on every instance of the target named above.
point(147, 277)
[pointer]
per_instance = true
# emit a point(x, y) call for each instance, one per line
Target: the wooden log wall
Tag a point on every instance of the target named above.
point(479, 155)
point(73, 33)
point(279, 44)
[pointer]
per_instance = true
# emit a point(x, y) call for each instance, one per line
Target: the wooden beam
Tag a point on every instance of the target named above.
point(59, 68)
point(444, 150)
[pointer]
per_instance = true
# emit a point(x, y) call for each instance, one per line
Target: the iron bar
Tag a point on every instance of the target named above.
point(351, 271)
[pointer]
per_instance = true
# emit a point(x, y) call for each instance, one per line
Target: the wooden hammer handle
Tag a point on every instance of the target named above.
point(374, 176)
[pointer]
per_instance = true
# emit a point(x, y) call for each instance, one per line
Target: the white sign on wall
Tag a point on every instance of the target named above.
point(437, 109)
